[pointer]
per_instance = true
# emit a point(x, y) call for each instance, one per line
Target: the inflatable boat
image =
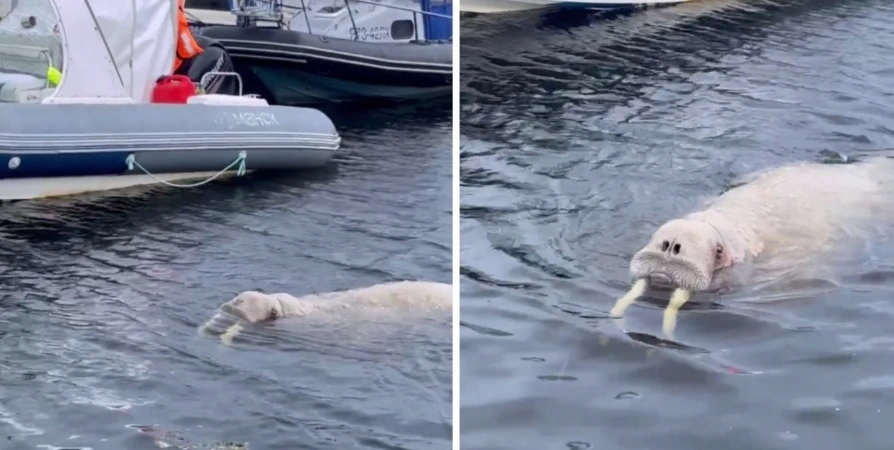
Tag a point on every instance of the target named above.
point(320, 51)
point(76, 115)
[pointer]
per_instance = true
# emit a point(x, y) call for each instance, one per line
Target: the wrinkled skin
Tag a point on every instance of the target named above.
point(253, 306)
point(687, 253)
point(780, 220)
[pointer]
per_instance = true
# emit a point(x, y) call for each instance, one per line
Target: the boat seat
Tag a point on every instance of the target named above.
point(23, 88)
point(27, 48)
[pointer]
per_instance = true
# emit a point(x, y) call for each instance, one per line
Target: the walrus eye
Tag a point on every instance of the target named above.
point(676, 249)
point(664, 246)
point(274, 313)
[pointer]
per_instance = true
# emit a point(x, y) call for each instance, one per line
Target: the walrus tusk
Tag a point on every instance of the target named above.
point(230, 333)
point(204, 327)
point(624, 302)
point(679, 297)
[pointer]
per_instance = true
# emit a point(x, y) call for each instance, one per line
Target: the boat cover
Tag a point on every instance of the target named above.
point(111, 50)
point(141, 37)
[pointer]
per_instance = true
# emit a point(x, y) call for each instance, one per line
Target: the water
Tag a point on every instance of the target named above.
point(100, 300)
point(580, 135)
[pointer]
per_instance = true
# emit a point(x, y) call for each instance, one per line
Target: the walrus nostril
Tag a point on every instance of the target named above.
point(665, 245)
point(676, 249)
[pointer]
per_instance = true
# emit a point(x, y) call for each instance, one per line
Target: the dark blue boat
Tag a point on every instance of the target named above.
point(303, 59)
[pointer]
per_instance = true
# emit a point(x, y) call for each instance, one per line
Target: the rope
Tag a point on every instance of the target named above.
point(240, 160)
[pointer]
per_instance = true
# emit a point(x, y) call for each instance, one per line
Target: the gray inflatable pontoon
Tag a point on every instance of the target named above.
point(48, 150)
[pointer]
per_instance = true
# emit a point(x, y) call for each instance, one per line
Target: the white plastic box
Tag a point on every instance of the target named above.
point(226, 100)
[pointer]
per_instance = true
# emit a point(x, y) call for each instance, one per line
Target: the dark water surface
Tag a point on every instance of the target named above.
point(580, 136)
point(100, 301)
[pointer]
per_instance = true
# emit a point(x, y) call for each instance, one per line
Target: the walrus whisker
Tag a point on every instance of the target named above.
point(638, 289)
point(678, 298)
point(227, 337)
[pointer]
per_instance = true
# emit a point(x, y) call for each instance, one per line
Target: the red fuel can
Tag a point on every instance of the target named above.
point(173, 89)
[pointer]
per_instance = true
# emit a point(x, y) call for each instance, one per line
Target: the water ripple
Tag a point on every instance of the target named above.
point(583, 132)
point(103, 295)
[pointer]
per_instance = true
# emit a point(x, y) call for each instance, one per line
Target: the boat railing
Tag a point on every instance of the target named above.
point(250, 11)
point(207, 75)
point(264, 10)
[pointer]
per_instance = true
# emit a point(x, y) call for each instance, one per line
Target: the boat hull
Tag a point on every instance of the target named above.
point(285, 86)
point(73, 147)
point(14, 189)
point(293, 68)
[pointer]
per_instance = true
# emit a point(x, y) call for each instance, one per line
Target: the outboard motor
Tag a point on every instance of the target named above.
point(214, 58)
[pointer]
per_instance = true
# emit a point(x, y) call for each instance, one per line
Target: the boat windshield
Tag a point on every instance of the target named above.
point(30, 50)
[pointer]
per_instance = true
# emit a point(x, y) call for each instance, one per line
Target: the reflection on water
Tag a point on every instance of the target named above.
point(580, 135)
point(102, 297)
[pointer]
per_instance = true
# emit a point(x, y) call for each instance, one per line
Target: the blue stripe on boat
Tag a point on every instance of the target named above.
point(65, 165)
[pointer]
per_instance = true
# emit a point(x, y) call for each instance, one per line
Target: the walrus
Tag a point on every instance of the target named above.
point(783, 218)
point(257, 307)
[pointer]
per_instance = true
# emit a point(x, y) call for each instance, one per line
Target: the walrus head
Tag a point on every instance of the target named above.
point(254, 306)
point(682, 254)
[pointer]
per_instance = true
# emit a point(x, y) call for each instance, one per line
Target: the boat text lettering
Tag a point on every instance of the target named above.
point(371, 33)
point(252, 119)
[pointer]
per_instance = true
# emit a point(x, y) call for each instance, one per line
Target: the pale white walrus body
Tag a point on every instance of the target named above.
point(252, 306)
point(783, 217)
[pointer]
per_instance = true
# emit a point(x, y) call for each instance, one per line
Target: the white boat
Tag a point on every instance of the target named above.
point(499, 6)
point(91, 126)
point(322, 51)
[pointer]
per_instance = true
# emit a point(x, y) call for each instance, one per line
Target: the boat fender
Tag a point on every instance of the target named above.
point(54, 76)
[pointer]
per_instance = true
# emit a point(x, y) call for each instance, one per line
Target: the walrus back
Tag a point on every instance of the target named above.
point(387, 300)
point(812, 205)
point(403, 295)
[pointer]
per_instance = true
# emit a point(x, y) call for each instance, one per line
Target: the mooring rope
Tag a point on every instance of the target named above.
point(240, 160)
